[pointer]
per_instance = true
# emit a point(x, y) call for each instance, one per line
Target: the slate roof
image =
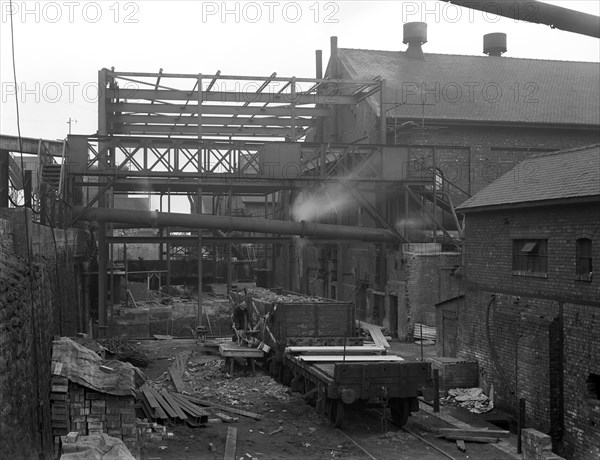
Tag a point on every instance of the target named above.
point(480, 88)
point(543, 179)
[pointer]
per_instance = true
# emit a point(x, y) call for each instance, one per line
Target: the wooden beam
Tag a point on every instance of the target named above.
point(350, 358)
point(230, 443)
point(457, 432)
point(336, 349)
point(375, 332)
point(213, 405)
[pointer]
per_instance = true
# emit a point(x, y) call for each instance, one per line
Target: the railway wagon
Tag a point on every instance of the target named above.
point(315, 349)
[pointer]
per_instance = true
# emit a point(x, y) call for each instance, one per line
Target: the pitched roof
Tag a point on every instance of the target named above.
point(543, 179)
point(480, 88)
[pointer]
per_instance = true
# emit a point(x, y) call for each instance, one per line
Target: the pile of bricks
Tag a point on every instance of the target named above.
point(77, 408)
point(537, 446)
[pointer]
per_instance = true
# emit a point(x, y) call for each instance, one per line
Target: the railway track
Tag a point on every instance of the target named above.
point(363, 443)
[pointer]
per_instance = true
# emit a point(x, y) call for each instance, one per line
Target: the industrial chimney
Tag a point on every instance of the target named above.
point(494, 44)
point(415, 35)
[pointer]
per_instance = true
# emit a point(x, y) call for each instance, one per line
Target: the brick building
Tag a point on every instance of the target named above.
point(532, 306)
point(469, 119)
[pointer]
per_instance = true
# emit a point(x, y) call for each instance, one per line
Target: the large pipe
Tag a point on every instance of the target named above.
point(539, 13)
point(148, 219)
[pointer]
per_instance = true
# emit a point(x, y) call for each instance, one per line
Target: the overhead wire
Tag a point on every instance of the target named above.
point(39, 413)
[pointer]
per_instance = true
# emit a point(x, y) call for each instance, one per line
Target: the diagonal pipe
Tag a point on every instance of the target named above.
point(148, 219)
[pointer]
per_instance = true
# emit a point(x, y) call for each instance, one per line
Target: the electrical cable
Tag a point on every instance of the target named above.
point(493, 353)
point(39, 414)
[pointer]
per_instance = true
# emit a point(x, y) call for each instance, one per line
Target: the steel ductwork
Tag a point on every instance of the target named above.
point(148, 219)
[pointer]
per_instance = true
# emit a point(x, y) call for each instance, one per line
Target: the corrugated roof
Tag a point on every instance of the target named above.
point(481, 88)
point(568, 174)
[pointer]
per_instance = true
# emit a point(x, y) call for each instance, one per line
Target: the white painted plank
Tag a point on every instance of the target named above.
point(349, 358)
point(336, 349)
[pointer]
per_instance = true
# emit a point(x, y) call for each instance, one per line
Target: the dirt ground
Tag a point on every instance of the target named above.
point(305, 435)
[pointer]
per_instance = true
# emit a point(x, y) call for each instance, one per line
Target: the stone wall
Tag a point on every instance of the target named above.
point(39, 297)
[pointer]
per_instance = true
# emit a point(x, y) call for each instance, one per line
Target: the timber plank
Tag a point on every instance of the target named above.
point(189, 406)
point(350, 349)
point(470, 438)
point(225, 418)
point(230, 443)
point(375, 332)
point(222, 407)
point(149, 396)
point(349, 358)
point(478, 433)
point(176, 371)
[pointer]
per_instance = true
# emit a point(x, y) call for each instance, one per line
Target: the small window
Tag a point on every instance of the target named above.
point(530, 257)
point(584, 259)
point(593, 386)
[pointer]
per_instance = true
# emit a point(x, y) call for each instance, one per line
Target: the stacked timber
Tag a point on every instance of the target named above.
point(423, 332)
point(165, 406)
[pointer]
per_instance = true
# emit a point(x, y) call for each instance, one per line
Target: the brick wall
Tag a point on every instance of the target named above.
point(429, 280)
point(472, 157)
point(31, 309)
point(520, 353)
point(582, 358)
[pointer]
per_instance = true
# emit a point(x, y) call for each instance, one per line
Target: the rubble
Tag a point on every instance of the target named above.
point(472, 399)
point(269, 296)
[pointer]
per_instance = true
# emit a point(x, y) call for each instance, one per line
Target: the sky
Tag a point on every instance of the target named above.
point(61, 45)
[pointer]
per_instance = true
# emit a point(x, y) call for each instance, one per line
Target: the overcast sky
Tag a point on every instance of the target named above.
point(60, 46)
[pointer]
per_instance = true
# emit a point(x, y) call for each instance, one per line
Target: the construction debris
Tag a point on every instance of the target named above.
point(472, 399)
point(125, 350)
point(266, 295)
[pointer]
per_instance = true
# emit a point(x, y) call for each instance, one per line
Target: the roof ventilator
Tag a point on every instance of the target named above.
point(494, 44)
point(415, 35)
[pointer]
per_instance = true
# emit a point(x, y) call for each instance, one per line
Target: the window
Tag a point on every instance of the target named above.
point(530, 257)
point(584, 259)
point(593, 386)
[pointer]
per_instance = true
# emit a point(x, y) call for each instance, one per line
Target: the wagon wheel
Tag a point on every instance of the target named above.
point(400, 409)
point(337, 413)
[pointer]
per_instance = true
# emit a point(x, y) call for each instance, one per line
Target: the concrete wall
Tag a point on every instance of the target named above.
point(536, 338)
point(38, 298)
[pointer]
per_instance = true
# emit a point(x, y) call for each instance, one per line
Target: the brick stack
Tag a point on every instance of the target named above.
point(59, 409)
point(76, 408)
point(537, 446)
